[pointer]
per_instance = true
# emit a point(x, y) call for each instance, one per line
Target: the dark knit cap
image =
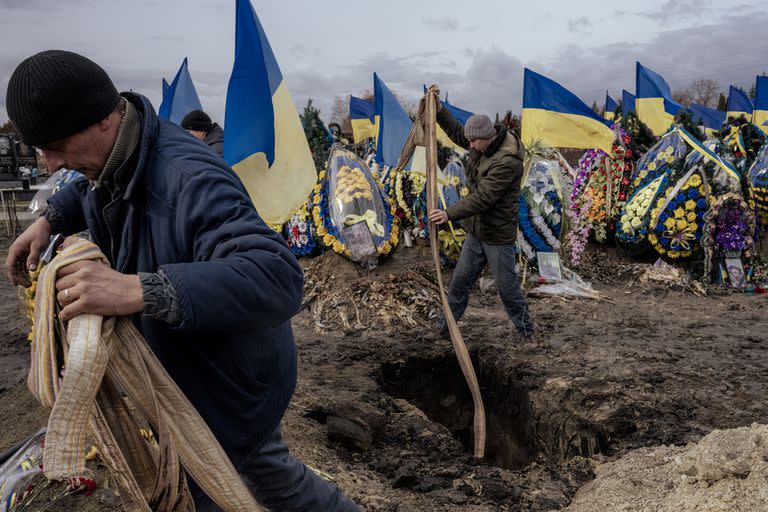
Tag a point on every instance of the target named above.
point(197, 120)
point(55, 94)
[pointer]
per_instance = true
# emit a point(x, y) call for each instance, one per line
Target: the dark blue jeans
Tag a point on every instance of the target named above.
point(282, 483)
point(501, 258)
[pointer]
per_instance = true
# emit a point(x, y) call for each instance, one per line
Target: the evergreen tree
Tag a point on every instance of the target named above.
point(641, 136)
point(317, 135)
point(722, 103)
point(596, 108)
point(752, 92)
point(685, 120)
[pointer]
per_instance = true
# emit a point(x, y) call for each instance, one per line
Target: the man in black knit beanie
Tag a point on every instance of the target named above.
point(200, 126)
point(210, 286)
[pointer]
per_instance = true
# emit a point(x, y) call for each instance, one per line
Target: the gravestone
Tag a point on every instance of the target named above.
point(26, 156)
point(7, 154)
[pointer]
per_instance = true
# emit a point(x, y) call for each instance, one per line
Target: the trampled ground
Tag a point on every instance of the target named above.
point(386, 413)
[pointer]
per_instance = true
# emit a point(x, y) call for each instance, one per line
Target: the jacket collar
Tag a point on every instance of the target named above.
point(149, 132)
point(215, 135)
point(501, 134)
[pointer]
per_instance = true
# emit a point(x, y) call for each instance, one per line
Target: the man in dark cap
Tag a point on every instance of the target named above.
point(489, 212)
point(200, 126)
point(209, 285)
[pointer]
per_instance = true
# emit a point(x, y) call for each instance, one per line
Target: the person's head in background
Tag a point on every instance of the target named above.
point(197, 123)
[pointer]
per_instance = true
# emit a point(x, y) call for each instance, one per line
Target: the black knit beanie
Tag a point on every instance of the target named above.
point(197, 120)
point(55, 94)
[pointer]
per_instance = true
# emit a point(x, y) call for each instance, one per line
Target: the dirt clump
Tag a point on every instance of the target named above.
point(344, 296)
point(725, 471)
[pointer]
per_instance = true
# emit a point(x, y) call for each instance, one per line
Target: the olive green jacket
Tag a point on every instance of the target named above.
point(490, 211)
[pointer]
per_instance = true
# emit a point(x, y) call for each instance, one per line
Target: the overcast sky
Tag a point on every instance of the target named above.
point(474, 50)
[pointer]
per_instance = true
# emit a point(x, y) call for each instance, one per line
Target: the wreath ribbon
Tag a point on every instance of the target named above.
point(709, 155)
point(369, 217)
point(680, 240)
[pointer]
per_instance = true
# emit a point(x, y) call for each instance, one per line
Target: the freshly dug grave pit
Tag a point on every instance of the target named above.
point(521, 427)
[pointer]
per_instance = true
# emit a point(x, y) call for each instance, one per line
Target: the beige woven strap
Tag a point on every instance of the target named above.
point(424, 133)
point(102, 361)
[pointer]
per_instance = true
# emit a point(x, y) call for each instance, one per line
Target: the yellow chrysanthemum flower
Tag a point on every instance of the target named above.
point(669, 223)
point(679, 213)
point(682, 224)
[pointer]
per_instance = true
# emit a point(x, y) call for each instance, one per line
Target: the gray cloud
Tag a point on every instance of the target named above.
point(678, 9)
point(447, 24)
point(579, 24)
point(715, 51)
point(491, 83)
point(22, 4)
point(487, 81)
point(493, 80)
point(35, 5)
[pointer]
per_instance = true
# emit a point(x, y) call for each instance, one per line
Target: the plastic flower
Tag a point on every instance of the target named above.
point(694, 181)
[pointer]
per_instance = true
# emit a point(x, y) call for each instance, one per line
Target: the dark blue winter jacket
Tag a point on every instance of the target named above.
point(238, 284)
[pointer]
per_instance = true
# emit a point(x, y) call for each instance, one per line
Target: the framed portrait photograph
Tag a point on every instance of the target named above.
point(549, 266)
point(736, 274)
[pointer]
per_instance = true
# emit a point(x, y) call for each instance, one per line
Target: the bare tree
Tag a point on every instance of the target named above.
point(683, 96)
point(340, 113)
point(7, 127)
point(367, 95)
point(705, 92)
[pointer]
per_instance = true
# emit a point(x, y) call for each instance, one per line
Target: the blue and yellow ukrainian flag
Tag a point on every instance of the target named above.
point(654, 103)
point(711, 118)
point(760, 113)
point(460, 115)
point(739, 104)
point(557, 117)
point(362, 116)
point(264, 143)
point(610, 107)
point(394, 124)
point(166, 86)
point(627, 101)
point(180, 98)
